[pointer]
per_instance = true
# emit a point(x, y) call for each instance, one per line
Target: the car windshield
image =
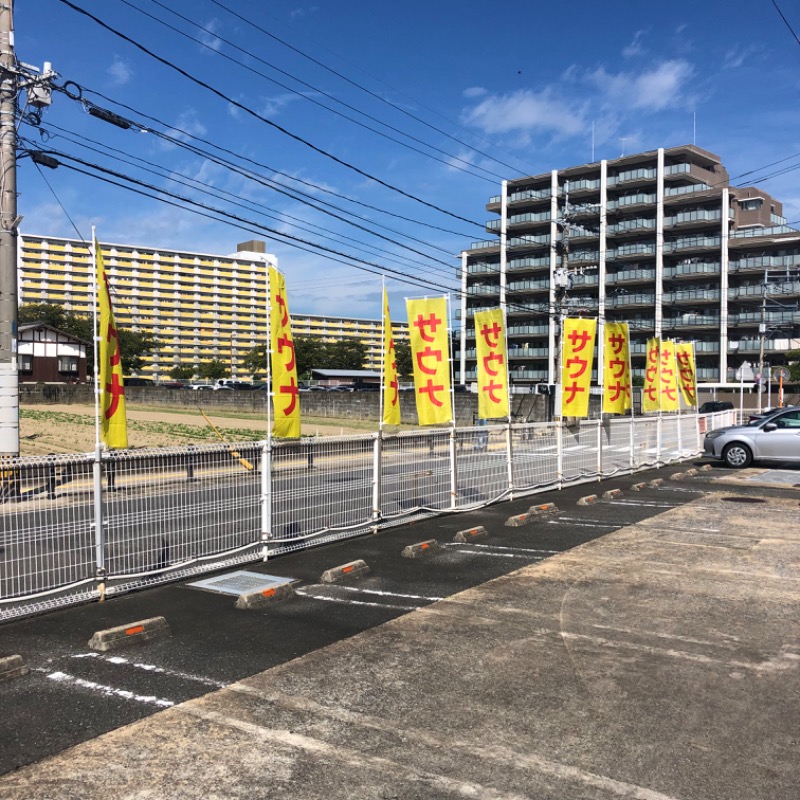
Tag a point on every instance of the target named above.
point(765, 416)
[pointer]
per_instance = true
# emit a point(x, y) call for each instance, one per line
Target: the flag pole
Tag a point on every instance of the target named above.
point(95, 339)
point(383, 352)
point(266, 455)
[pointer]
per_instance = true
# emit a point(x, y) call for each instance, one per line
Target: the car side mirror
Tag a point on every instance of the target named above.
point(770, 426)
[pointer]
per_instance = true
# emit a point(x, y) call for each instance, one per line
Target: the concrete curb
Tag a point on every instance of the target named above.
point(125, 635)
point(612, 493)
point(469, 535)
point(545, 508)
point(588, 500)
point(420, 549)
point(638, 487)
point(12, 667)
point(654, 484)
point(265, 597)
point(518, 520)
point(354, 569)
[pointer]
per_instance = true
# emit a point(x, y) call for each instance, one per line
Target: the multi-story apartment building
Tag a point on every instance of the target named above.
point(201, 307)
point(660, 240)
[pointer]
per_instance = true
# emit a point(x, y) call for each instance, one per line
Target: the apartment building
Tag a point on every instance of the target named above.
point(201, 307)
point(660, 240)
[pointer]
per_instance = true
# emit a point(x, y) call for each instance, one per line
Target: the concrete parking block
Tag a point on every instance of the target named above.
point(679, 476)
point(518, 520)
point(638, 487)
point(132, 633)
point(544, 508)
point(654, 484)
point(588, 500)
point(12, 667)
point(705, 468)
point(470, 535)
point(612, 493)
point(354, 569)
point(264, 597)
point(420, 549)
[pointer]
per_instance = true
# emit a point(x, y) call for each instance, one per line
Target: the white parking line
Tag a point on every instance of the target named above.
point(583, 524)
point(501, 555)
point(109, 691)
point(153, 668)
point(329, 599)
point(388, 594)
point(502, 547)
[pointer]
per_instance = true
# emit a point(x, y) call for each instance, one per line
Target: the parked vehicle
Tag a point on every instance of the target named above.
point(716, 405)
point(774, 437)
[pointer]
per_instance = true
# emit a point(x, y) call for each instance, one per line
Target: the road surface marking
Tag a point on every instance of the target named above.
point(153, 668)
point(109, 691)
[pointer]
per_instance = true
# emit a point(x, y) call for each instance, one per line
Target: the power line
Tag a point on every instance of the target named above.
point(785, 21)
point(364, 89)
point(261, 118)
point(452, 159)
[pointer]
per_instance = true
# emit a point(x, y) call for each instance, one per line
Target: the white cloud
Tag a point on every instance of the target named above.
point(120, 72)
point(207, 36)
point(654, 90)
point(475, 91)
point(273, 106)
point(635, 47)
point(737, 56)
point(524, 111)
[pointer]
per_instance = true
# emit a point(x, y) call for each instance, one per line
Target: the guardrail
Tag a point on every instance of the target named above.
point(78, 527)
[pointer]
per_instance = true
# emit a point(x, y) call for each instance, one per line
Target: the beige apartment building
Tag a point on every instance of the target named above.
point(202, 307)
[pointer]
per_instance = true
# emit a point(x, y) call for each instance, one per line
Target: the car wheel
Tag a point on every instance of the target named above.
point(737, 455)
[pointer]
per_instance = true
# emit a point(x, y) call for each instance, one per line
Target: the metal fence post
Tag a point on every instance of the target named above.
point(560, 452)
point(659, 442)
point(377, 467)
point(453, 470)
point(51, 476)
point(632, 439)
point(600, 448)
point(99, 521)
point(266, 497)
point(510, 458)
point(191, 456)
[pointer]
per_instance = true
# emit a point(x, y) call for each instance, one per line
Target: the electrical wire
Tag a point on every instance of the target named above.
point(786, 21)
point(220, 94)
point(452, 161)
point(206, 188)
point(374, 95)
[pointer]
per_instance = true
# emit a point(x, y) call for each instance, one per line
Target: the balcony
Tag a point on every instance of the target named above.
point(528, 330)
point(691, 321)
point(487, 290)
point(692, 295)
point(685, 270)
point(631, 276)
point(629, 226)
point(519, 264)
point(523, 219)
point(632, 250)
point(529, 241)
point(692, 243)
point(526, 286)
point(626, 201)
point(483, 268)
point(641, 175)
point(626, 300)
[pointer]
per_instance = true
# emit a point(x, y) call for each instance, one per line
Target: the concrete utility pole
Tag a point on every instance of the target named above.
point(14, 77)
point(9, 389)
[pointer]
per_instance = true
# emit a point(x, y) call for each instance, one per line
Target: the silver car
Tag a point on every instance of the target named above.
point(775, 437)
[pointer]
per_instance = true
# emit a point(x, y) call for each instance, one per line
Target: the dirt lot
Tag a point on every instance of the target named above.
point(71, 428)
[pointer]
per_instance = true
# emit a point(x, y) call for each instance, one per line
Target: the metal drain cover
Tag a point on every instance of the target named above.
point(239, 582)
point(744, 500)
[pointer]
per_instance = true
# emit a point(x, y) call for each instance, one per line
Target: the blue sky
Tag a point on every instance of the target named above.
point(465, 93)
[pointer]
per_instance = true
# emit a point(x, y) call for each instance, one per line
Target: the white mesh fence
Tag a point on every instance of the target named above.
point(168, 513)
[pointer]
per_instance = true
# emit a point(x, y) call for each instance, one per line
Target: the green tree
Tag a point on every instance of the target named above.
point(346, 354)
point(405, 367)
point(212, 370)
point(182, 372)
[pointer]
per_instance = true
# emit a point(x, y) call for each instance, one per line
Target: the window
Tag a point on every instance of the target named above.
point(68, 364)
point(26, 363)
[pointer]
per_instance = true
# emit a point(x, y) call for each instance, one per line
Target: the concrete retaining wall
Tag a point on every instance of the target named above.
point(335, 405)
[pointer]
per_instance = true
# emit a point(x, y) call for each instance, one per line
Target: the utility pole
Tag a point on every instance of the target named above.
point(14, 77)
point(9, 389)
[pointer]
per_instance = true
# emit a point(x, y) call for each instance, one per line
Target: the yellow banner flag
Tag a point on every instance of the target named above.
point(430, 354)
point(651, 398)
point(668, 376)
point(490, 334)
point(577, 357)
point(113, 420)
point(616, 368)
point(391, 386)
point(687, 373)
point(285, 391)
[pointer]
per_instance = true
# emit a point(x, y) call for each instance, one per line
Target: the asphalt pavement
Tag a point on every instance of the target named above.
point(646, 646)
